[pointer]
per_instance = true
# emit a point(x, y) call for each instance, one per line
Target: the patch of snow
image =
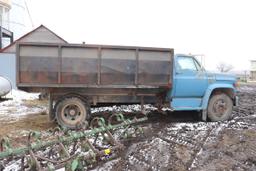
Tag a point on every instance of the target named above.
point(123, 108)
point(14, 166)
point(18, 95)
point(246, 89)
point(145, 155)
point(110, 165)
point(15, 106)
point(199, 126)
point(194, 162)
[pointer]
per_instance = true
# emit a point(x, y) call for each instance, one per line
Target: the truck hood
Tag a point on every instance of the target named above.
point(223, 77)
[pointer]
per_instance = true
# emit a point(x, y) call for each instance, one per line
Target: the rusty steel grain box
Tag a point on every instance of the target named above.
point(72, 65)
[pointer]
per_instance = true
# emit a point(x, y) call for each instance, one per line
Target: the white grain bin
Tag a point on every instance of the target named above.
point(5, 86)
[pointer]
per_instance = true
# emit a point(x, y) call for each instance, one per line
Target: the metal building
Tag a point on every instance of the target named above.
point(5, 7)
point(8, 54)
point(14, 18)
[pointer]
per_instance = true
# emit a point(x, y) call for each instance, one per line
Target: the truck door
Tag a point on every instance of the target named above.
point(189, 78)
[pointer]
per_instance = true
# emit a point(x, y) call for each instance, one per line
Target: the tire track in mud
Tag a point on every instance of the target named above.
point(242, 124)
point(183, 143)
point(165, 136)
point(206, 132)
point(215, 131)
point(220, 131)
point(199, 150)
point(207, 141)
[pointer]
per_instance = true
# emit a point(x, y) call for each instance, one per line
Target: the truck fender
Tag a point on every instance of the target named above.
point(209, 91)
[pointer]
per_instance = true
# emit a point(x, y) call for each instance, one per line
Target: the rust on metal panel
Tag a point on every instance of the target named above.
point(38, 70)
point(137, 66)
point(72, 65)
point(60, 64)
point(99, 65)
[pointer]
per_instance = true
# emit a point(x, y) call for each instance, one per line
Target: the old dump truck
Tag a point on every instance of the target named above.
point(78, 76)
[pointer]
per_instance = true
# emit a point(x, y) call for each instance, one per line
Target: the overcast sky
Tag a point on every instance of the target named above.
point(222, 30)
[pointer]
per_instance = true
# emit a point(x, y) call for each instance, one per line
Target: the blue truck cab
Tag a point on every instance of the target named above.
point(196, 89)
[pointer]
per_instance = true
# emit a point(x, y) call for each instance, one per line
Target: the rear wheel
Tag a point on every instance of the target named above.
point(220, 107)
point(71, 112)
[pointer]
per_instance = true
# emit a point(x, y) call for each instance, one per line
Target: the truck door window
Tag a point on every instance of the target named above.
point(186, 63)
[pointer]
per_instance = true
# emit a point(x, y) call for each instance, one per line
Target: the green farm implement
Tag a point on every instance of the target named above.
point(70, 149)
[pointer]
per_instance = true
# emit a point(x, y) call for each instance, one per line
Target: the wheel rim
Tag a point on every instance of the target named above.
point(220, 107)
point(72, 114)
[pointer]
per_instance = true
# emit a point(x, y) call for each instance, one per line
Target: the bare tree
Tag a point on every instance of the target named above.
point(223, 67)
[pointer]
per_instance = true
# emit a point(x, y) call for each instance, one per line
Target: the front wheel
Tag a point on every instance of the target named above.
point(220, 107)
point(71, 112)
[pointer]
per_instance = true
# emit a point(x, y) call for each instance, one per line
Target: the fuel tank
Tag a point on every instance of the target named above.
point(5, 86)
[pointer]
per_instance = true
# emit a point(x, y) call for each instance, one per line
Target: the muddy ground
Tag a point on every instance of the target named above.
point(177, 141)
point(174, 144)
point(19, 118)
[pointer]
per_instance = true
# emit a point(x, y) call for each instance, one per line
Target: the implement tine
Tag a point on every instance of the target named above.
point(91, 146)
point(5, 144)
point(60, 148)
point(64, 149)
point(113, 140)
point(34, 160)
